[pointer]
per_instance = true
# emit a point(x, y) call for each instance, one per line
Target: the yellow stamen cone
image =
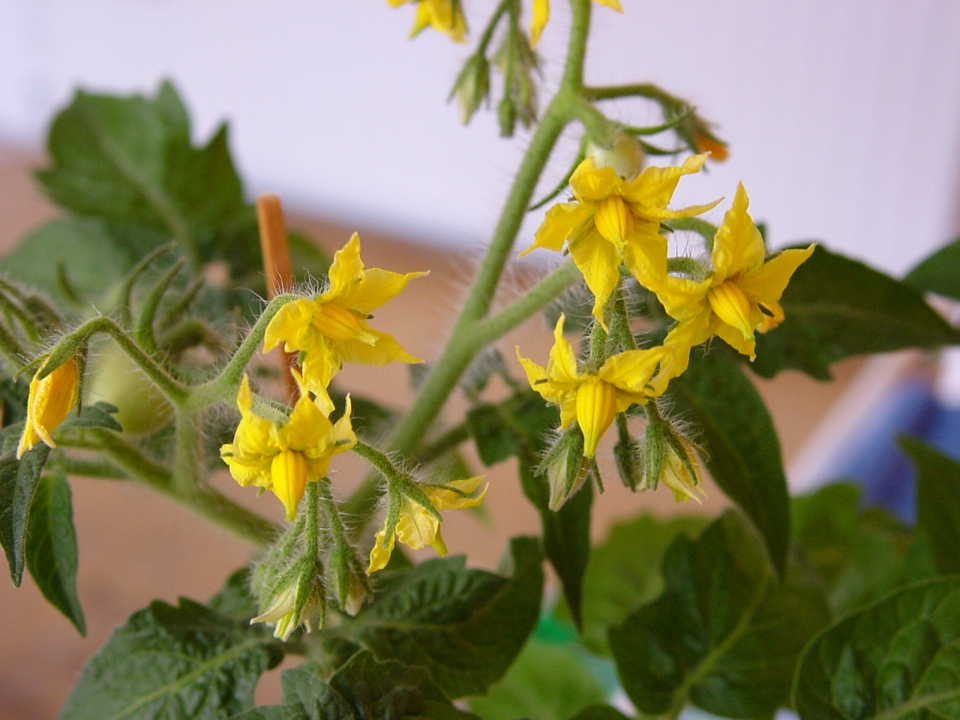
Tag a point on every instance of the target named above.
point(732, 306)
point(288, 471)
point(596, 407)
point(338, 323)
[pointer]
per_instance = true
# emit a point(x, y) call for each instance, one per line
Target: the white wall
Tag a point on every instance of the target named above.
point(843, 117)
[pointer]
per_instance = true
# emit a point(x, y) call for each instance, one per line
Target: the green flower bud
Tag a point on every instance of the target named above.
point(565, 467)
point(472, 86)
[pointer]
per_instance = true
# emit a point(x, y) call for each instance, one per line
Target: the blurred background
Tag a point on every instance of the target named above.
point(843, 121)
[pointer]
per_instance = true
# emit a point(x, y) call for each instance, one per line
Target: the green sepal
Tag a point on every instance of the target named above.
point(52, 547)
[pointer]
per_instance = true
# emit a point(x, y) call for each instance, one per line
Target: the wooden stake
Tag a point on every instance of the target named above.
point(276, 266)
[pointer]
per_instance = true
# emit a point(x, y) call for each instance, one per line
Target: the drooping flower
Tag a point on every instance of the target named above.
point(610, 216)
point(541, 13)
point(332, 328)
point(48, 404)
point(417, 526)
point(593, 400)
point(284, 457)
point(445, 16)
point(740, 296)
point(282, 610)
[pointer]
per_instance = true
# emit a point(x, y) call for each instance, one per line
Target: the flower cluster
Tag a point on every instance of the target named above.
point(285, 453)
point(614, 227)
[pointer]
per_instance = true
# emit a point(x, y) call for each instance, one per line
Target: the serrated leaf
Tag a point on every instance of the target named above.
point(363, 689)
point(624, 572)
point(52, 547)
point(742, 447)
point(95, 254)
point(98, 415)
point(465, 626)
point(836, 307)
point(167, 661)
point(129, 159)
point(859, 554)
point(724, 635)
point(566, 532)
point(939, 273)
point(18, 485)
point(548, 681)
point(896, 659)
point(938, 502)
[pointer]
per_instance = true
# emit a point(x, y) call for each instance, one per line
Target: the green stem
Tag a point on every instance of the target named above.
point(224, 386)
point(444, 444)
point(82, 467)
point(647, 90)
point(620, 321)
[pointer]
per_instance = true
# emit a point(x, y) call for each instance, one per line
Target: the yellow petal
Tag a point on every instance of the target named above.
point(599, 262)
point(375, 288)
point(651, 191)
point(541, 13)
point(735, 339)
point(560, 222)
point(49, 402)
point(381, 551)
point(767, 282)
point(417, 527)
point(288, 470)
point(632, 370)
point(738, 246)
point(346, 268)
point(682, 339)
point(319, 368)
point(612, 4)
point(562, 366)
point(288, 326)
point(307, 427)
point(596, 407)
point(590, 184)
point(336, 322)
point(443, 498)
point(385, 350)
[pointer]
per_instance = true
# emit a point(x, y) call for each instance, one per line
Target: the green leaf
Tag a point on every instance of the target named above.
point(363, 689)
point(235, 599)
point(859, 554)
point(52, 547)
point(98, 415)
point(549, 681)
point(130, 159)
point(939, 273)
point(13, 395)
point(898, 658)
point(742, 448)
point(836, 307)
point(724, 635)
point(624, 572)
point(465, 626)
point(938, 502)
point(95, 254)
point(566, 532)
point(18, 485)
point(512, 427)
point(173, 662)
point(599, 712)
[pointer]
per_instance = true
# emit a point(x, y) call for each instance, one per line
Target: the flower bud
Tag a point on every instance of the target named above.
point(625, 156)
point(349, 581)
point(48, 404)
point(670, 457)
point(472, 86)
point(565, 467)
point(507, 117)
point(628, 454)
point(299, 601)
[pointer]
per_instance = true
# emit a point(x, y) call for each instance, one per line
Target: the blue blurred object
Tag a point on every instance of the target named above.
point(877, 463)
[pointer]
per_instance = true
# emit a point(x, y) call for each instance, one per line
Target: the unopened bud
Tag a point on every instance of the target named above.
point(625, 156)
point(349, 580)
point(507, 117)
point(670, 457)
point(472, 86)
point(628, 454)
point(565, 467)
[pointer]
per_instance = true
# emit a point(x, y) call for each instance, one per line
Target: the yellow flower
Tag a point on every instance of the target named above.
point(332, 328)
point(283, 458)
point(445, 16)
point(418, 527)
point(612, 216)
point(740, 295)
point(541, 13)
point(593, 400)
point(49, 403)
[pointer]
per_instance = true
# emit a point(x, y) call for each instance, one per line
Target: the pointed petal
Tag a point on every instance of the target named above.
point(646, 258)
point(347, 267)
point(375, 287)
point(560, 222)
point(444, 499)
point(599, 262)
point(319, 368)
point(612, 4)
point(631, 371)
point(562, 366)
point(589, 184)
point(735, 339)
point(417, 526)
point(386, 350)
point(381, 551)
point(683, 338)
point(288, 326)
point(651, 190)
point(244, 396)
point(738, 246)
point(767, 282)
point(541, 13)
